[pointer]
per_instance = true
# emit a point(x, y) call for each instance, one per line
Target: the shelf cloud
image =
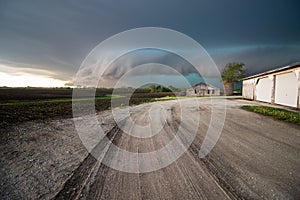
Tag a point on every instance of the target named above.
point(53, 38)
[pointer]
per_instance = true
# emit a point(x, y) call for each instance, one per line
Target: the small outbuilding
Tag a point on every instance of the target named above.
point(203, 89)
point(280, 86)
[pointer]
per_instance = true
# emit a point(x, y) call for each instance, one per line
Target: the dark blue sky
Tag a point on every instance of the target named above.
point(56, 36)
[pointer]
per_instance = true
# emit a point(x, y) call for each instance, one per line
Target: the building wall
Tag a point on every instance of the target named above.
point(279, 87)
point(228, 88)
point(248, 89)
point(297, 72)
point(190, 92)
point(217, 92)
point(197, 91)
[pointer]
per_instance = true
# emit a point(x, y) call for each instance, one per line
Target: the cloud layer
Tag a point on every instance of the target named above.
point(56, 36)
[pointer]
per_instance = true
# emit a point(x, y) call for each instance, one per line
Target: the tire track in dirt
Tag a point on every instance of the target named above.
point(75, 184)
point(228, 172)
point(90, 178)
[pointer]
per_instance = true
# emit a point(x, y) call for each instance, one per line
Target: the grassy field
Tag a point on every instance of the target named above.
point(20, 105)
point(277, 113)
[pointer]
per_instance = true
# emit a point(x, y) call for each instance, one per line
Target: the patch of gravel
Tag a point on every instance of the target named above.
point(37, 158)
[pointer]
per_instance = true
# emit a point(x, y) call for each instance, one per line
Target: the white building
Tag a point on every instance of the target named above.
point(279, 86)
point(203, 89)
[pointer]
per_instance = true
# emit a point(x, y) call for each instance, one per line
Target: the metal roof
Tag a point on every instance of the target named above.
point(291, 66)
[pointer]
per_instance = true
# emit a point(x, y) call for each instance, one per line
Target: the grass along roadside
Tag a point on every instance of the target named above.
point(277, 113)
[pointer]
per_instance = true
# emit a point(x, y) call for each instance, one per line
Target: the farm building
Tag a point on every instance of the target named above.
point(279, 86)
point(203, 89)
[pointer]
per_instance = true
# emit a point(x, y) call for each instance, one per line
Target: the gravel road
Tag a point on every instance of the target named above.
point(256, 157)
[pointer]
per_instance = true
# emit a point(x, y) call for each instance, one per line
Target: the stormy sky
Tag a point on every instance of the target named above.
point(51, 38)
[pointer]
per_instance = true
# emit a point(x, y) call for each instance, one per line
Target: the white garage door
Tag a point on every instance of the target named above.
point(286, 89)
point(263, 90)
point(248, 89)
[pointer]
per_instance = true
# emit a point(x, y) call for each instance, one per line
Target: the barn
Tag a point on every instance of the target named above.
point(280, 86)
point(203, 89)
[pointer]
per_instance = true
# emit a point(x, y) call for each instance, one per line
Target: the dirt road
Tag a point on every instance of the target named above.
point(255, 157)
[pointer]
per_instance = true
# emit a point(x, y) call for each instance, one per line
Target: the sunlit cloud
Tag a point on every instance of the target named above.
point(13, 68)
point(29, 80)
point(23, 77)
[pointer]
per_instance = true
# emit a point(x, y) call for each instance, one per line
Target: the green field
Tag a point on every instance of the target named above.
point(19, 105)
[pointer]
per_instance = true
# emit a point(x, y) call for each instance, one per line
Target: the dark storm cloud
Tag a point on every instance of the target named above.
point(57, 35)
point(130, 61)
point(258, 58)
point(133, 59)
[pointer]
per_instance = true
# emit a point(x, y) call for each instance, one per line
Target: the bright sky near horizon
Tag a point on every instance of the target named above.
point(43, 43)
point(29, 80)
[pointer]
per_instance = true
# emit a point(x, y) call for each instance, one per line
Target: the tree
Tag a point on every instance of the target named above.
point(232, 72)
point(152, 88)
point(158, 88)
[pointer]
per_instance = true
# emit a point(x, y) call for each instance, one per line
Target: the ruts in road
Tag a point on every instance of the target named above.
point(255, 157)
